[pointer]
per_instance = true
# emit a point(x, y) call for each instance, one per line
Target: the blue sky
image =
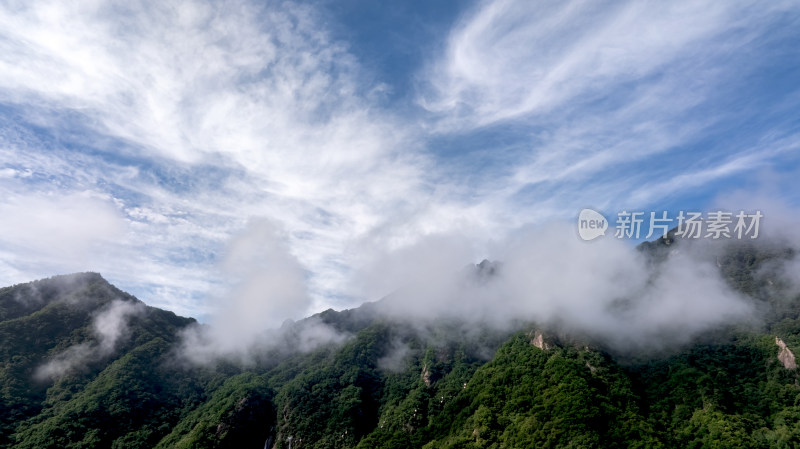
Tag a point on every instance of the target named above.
point(152, 141)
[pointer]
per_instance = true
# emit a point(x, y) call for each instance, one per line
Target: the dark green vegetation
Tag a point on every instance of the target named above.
point(390, 387)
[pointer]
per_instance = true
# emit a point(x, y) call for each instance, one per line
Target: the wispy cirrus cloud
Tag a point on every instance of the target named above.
point(596, 91)
point(199, 115)
point(511, 58)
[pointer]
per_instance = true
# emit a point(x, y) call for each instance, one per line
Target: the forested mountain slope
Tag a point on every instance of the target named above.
point(87, 365)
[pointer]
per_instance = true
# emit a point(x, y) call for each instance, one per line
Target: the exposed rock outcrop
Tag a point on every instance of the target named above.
point(785, 355)
point(538, 341)
point(426, 375)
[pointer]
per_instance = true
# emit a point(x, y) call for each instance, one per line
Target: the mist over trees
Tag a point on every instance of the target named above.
point(87, 365)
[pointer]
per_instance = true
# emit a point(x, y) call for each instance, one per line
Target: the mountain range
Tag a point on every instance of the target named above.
point(86, 365)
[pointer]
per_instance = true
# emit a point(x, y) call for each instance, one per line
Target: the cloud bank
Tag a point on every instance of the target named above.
point(605, 290)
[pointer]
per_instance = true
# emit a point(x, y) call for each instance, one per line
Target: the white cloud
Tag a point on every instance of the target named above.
point(269, 283)
point(110, 327)
point(259, 92)
point(265, 286)
point(183, 121)
point(63, 229)
point(596, 88)
point(510, 58)
point(604, 289)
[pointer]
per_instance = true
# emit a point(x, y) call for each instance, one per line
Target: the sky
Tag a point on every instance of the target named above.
point(176, 147)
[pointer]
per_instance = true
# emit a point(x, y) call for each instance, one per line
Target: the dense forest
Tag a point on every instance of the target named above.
point(67, 383)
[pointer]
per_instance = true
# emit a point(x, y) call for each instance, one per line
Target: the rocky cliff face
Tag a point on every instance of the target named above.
point(785, 355)
point(538, 341)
